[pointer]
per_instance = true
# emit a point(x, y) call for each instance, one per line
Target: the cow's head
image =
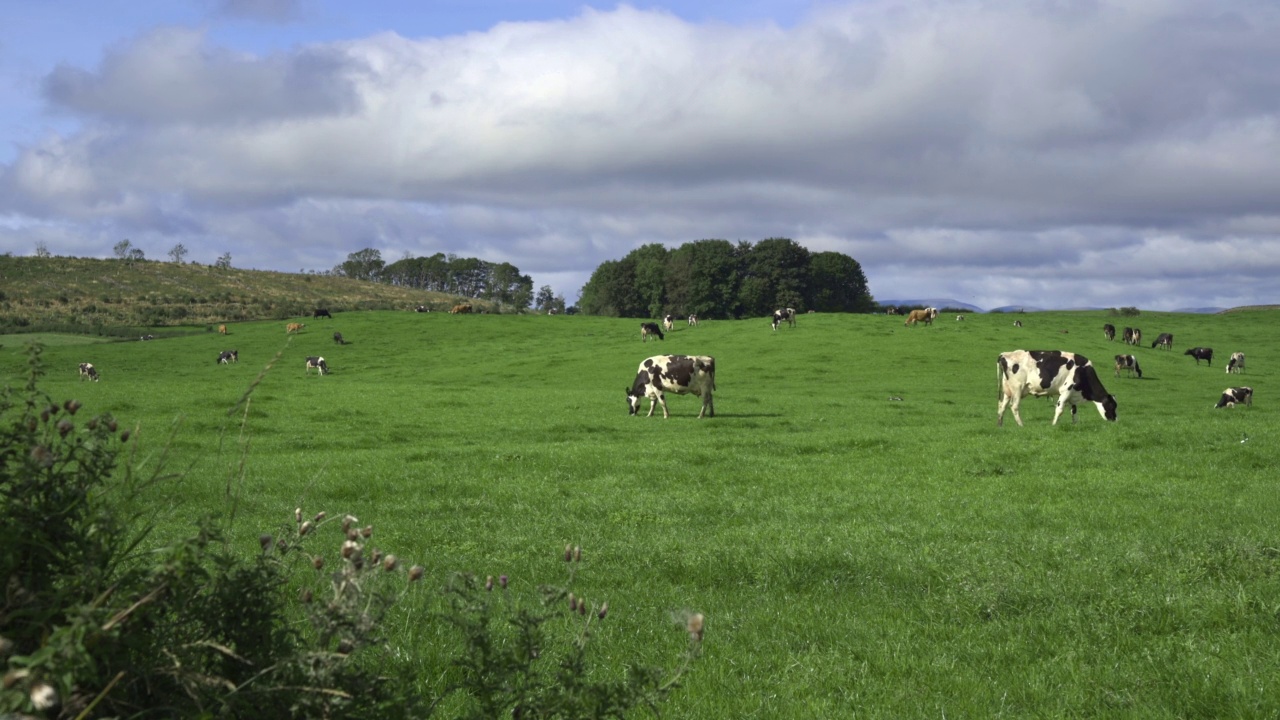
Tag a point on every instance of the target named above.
point(1108, 407)
point(633, 401)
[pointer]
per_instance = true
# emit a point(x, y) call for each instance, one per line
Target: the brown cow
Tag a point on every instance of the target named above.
point(926, 316)
point(222, 329)
point(293, 328)
point(460, 309)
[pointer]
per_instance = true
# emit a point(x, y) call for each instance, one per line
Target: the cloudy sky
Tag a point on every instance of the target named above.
point(1057, 153)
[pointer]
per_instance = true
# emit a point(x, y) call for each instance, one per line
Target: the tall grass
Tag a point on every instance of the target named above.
point(856, 555)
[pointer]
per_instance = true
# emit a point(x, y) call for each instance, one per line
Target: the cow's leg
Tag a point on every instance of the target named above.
point(663, 402)
point(1004, 402)
point(653, 401)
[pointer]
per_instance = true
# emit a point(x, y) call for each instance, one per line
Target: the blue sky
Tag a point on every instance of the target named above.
point(1057, 153)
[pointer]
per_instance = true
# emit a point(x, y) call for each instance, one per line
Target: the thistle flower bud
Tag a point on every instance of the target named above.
point(375, 556)
point(71, 406)
point(44, 415)
point(297, 515)
point(604, 610)
point(307, 527)
point(320, 516)
point(389, 563)
point(367, 531)
point(305, 596)
point(349, 548)
point(347, 522)
point(43, 696)
point(357, 560)
point(111, 425)
point(265, 541)
point(573, 603)
point(92, 424)
point(694, 626)
point(582, 607)
point(502, 580)
point(64, 427)
point(568, 553)
point(317, 562)
point(416, 572)
point(488, 584)
point(281, 545)
point(42, 456)
point(577, 553)
point(124, 436)
point(52, 410)
point(345, 647)
point(353, 534)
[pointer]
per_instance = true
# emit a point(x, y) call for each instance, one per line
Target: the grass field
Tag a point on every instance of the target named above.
point(855, 556)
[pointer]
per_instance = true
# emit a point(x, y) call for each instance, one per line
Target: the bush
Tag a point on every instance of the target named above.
point(91, 625)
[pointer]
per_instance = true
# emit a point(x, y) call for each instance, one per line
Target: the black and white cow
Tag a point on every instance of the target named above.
point(1069, 376)
point(1109, 331)
point(680, 374)
point(1017, 323)
point(321, 312)
point(422, 308)
point(316, 363)
point(1236, 364)
point(145, 338)
point(668, 322)
point(1201, 353)
point(647, 329)
point(1235, 396)
point(693, 321)
point(1129, 364)
point(1126, 336)
point(226, 357)
point(87, 370)
point(1137, 336)
point(787, 315)
point(337, 337)
point(1164, 340)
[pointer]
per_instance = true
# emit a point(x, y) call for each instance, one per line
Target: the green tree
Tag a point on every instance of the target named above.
point(702, 279)
point(122, 248)
point(224, 261)
point(178, 252)
point(42, 250)
point(837, 284)
point(775, 274)
point(363, 264)
point(650, 285)
point(611, 290)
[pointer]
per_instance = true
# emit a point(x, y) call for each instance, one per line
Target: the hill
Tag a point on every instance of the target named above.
point(932, 302)
point(91, 295)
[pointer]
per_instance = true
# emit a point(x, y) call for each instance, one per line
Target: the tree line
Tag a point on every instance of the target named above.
point(468, 277)
point(720, 279)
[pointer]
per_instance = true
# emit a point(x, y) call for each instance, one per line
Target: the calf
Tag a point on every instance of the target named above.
point(680, 374)
point(1069, 376)
point(1235, 396)
point(292, 328)
point(337, 337)
point(222, 329)
point(1236, 363)
point(647, 329)
point(693, 321)
point(1201, 353)
point(668, 323)
point(1129, 364)
point(787, 315)
point(316, 363)
point(1017, 323)
point(321, 312)
point(959, 318)
point(88, 371)
point(1164, 340)
point(1109, 331)
point(226, 357)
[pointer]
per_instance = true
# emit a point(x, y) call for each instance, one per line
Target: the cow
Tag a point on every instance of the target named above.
point(293, 328)
point(1201, 353)
point(316, 363)
point(226, 357)
point(87, 370)
point(1017, 323)
point(693, 321)
point(959, 318)
point(222, 329)
point(916, 316)
point(1128, 363)
point(891, 311)
point(1236, 363)
point(1164, 340)
point(668, 323)
point(648, 328)
point(145, 338)
point(551, 311)
point(460, 309)
point(1137, 336)
point(1109, 331)
point(1235, 396)
point(337, 337)
point(787, 315)
point(321, 312)
point(422, 308)
point(1071, 377)
point(680, 374)
point(1127, 336)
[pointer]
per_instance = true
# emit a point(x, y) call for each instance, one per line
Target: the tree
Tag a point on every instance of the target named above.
point(364, 264)
point(42, 250)
point(122, 248)
point(178, 252)
point(651, 269)
point(776, 274)
point(546, 298)
point(703, 279)
point(837, 284)
point(224, 261)
point(136, 255)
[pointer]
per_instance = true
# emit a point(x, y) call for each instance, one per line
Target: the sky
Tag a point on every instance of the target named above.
point(1050, 153)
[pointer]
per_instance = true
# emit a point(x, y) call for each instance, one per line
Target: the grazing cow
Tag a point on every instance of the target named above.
point(337, 337)
point(1017, 323)
point(680, 374)
point(1129, 364)
point(1201, 353)
point(1127, 336)
point(891, 311)
point(648, 328)
point(1236, 363)
point(1235, 396)
point(959, 318)
point(1137, 336)
point(321, 312)
point(693, 321)
point(916, 316)
point(222, 329)
point(551, 311)
point(316, 363)
point(422, 308)
point(787, 315)
point(293, 328)
point(668, 323)
point(1046, 373)
point(460, 309)
point(1164, 340)
point(145, 338)
point(1109, 331)
point(226, 357)
point(87, 370)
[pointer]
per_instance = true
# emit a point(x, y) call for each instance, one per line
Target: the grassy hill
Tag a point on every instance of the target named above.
point(95, 296)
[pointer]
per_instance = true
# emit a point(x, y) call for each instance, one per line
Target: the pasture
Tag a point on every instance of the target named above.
point(862, 538)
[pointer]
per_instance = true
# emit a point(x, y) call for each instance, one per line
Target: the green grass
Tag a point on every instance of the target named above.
point(855, 556)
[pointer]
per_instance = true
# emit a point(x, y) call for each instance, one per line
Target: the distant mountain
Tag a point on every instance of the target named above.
point(1015, 308)
point(1202, 310)
point(934, 302)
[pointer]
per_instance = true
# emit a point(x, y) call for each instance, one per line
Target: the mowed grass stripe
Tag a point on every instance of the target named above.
point(855, 555)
